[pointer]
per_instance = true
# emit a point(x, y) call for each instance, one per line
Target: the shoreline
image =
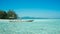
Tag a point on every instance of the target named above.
point(15, 20)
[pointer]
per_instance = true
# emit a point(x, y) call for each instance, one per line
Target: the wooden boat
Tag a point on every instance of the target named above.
point(21, 21)
point(27, 21)
point(15, 20)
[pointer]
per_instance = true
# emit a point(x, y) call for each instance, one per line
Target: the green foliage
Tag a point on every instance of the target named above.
point(9, 15)
point(3, 14)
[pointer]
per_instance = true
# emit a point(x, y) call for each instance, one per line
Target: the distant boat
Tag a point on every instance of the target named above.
point(20, 20)
point(30, 21)
point(27, 21)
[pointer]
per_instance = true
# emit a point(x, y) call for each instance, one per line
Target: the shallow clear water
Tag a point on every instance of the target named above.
point(38, 26)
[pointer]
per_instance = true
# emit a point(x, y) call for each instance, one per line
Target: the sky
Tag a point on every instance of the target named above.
point(33, 8)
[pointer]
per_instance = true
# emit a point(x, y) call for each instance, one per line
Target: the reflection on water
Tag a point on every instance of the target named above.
point(37, 27)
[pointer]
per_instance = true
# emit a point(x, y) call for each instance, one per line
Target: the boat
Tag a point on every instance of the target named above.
point(15, 20)
point(27, 21)
point(21, 21)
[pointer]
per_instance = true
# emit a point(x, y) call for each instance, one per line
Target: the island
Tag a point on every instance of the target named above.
point(11, 16)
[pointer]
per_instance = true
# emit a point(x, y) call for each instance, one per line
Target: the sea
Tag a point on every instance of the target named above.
point(38, 26)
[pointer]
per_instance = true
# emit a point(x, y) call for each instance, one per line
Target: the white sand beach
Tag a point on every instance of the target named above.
point(14, 20)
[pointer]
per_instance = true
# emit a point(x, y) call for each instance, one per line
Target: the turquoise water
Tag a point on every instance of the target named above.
point(38, 26)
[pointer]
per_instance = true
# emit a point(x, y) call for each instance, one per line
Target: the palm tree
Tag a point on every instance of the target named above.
point(11, 14)
point(3, 14)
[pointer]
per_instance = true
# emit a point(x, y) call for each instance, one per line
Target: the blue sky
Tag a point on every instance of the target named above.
point(33, 8)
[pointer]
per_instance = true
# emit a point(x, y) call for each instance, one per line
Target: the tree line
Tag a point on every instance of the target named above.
point(10, 14)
